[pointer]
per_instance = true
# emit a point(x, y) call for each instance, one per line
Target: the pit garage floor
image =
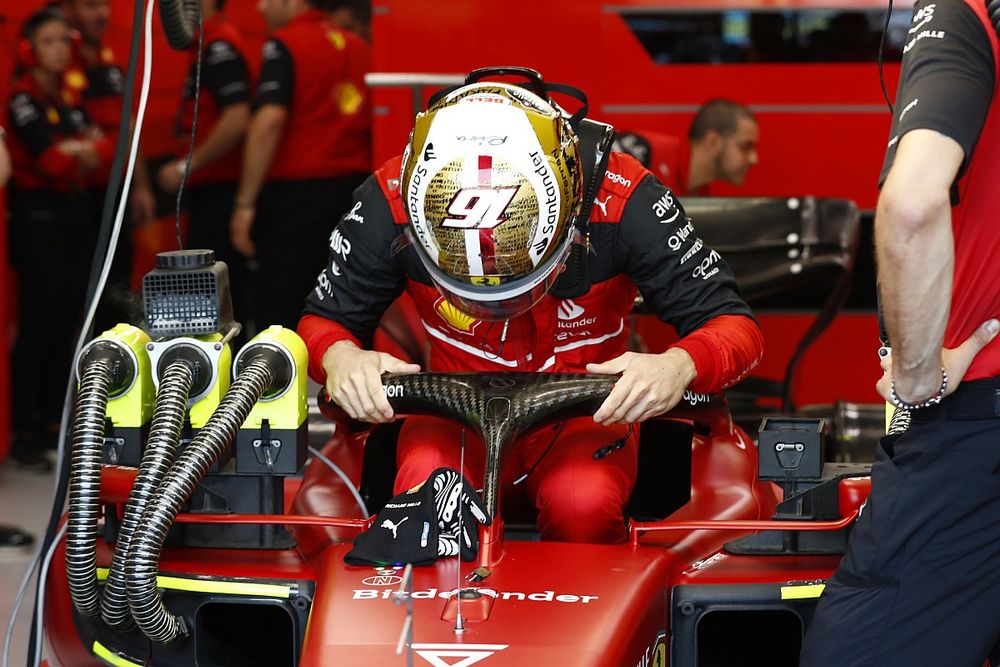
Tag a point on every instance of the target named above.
point(25, 501)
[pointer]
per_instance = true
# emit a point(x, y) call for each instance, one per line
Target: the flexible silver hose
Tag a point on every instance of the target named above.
point(161, 450)
point(85, 486)
point(142, 563)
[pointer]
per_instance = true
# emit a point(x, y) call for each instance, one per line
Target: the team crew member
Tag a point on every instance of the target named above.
point(920, 582)
point(97, 76)
point(307, 148)
point(55, 149)
point(491, 224)
point(223, 117)
point(721, 146)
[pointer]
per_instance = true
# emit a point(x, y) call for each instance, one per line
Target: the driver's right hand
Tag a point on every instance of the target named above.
point(354, 380)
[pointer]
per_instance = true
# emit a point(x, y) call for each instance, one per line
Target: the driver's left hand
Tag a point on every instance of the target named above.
point(650, 385)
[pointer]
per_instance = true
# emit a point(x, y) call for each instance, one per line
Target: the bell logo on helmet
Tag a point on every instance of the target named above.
point(479, 208)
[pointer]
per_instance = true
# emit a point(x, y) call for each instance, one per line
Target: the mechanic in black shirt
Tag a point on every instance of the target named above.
point(223, 118)
point(920, 582)
point(307, 149)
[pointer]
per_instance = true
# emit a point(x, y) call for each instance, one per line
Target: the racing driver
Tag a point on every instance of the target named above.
point(478, 221)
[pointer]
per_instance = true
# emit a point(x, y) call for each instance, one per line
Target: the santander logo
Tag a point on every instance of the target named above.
point(572, 315)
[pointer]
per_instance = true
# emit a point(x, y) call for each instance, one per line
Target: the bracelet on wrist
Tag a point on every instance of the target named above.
point(918, 405)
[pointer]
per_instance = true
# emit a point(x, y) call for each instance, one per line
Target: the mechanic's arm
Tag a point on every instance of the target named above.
point(265, 132)
point(226, 78)
point(692, 288)
point(945, 88)
point(274, 96)
point(361, 280)
point(916, 259)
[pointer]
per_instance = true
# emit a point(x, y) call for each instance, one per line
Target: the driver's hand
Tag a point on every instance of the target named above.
point(354, 380)
point(650, 385)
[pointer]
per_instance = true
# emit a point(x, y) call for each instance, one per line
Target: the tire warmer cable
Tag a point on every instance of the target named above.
point(142, 563)
point(161, 450)
point(85, 486)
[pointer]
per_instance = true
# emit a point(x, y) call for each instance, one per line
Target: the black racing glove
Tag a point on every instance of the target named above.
point(405, 531)
point(454, 495)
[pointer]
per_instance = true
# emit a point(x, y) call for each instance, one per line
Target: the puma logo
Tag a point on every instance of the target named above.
point(389, 525)
point(603, 204)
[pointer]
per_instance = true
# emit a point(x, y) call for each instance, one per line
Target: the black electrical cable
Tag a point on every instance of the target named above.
point(878, 58)
point(102, 250)
point(194, 124)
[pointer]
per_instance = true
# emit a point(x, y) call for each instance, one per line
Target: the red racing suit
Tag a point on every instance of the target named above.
point(641, 240)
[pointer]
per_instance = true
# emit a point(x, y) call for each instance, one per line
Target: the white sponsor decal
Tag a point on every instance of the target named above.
point(663, 204)
point(220, 52)
point(479, 208)
point(393, 390)
point(270, 50)
point(924, 16)
point(484, 140)
point(934, 34)
point(431, 593)
point(618, 178)
point(570, 316)
point(323, 284)
point(893, 141)
point(353, 214)
point(603, 205)
point(445, 655)
point(677, 239)
point(23, 110)
point(382, 580)
point(908, 107)
point(702, 270)
point(694, 397)
point(698, 245)
point(389, 525)
point(339, 245)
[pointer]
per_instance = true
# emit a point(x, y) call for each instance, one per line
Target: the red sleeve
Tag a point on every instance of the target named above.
point(319, 334)
point(725, 349)
point(57, 165)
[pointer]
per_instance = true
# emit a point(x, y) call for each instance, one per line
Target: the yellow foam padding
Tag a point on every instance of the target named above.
point(806, 592)
point(217, 586)
point(135, 407)
point(203, 409)
point(288, 411)
point(112, 658)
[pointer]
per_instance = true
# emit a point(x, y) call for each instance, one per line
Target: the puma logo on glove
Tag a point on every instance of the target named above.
point(393, 526)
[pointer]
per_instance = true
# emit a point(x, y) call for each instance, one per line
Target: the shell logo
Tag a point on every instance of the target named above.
point(455, 318)
point(76, 79)
point(349, 99)
point(336, 39)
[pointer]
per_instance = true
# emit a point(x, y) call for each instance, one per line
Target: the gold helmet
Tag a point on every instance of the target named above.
point(492, 186)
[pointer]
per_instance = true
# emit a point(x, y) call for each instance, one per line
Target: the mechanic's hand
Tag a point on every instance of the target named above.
point(956, 362)
point(354, 380)
point(169, 176)
point(650, 385)
point(142, 205)
point(239, 230)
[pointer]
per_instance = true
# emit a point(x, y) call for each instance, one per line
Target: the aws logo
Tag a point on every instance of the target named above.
point(455, 318)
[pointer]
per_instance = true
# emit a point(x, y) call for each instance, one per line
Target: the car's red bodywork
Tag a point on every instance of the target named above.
point(543, 603)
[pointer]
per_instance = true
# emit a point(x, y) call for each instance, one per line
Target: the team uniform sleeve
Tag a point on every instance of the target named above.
point(688, 285)
point(947, 78)
point(277, 75)
point(359, 283)
point(29, 125)
point(225, 74)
